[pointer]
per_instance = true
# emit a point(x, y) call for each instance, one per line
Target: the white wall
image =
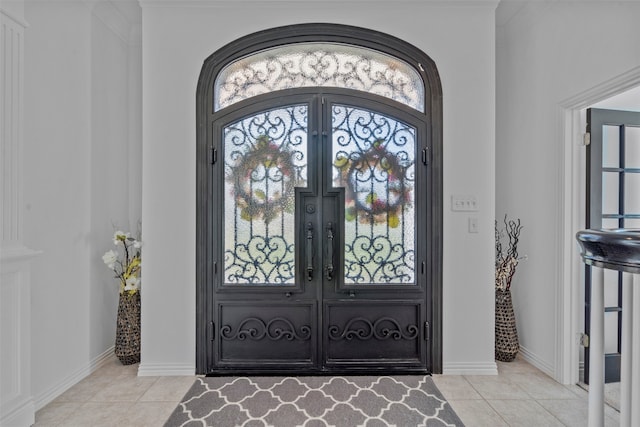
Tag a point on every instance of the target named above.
point(16, 399)
point(547, 53)
point(77, 181)
point(459, 36)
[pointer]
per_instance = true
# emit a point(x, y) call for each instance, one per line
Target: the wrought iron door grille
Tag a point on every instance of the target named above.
point(265, 159)
point(373, 159)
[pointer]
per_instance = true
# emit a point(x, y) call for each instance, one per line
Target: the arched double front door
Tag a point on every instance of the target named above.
point(319, 207)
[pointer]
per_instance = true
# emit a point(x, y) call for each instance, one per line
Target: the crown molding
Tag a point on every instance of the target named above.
point(115, 19)
point(521, 14)
point(493, 4)
point(14, 18)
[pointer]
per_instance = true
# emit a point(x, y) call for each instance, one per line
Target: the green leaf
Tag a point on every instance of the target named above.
point(245, 214)
point(384, 162)
point(371, 197)
point(350, 214)
point(393, 221)
point(341, 162)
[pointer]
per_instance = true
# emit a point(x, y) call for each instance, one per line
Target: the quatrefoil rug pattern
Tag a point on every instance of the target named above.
point(346, 401)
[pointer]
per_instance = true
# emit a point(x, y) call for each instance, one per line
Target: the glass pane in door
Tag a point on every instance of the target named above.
point(265, 159)
point(373, 159)
point(632, 147)
point(610, 146)
point(632, 193)
point(610, 193)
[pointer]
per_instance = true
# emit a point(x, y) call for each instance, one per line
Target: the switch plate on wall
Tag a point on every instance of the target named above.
point(462, 203)
point(473, 224)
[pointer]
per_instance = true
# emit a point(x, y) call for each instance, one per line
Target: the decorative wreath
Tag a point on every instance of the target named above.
point(371, 205)
point(269, 163)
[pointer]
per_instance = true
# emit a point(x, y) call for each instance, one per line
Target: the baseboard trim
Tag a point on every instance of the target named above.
point(178, 369)
point(47, 396)
point(22, 415)
point(166, 369)
point(538, 362)
point(470, 368)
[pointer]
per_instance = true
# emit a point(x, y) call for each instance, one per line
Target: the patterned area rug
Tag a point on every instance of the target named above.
point(349, 401)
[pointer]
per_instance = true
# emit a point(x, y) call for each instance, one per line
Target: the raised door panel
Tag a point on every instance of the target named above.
point(374, 333)
point(259, 334)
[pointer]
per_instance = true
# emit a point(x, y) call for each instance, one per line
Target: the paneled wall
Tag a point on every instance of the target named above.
point(16, 400)
point(11, 104)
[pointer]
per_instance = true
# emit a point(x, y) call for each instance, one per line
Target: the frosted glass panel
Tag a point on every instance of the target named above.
point(265, 158)
point(373, 159)
point(319, 64)
point(632, 147)
point(610, 193)
point(632, 193)
point(610, 146)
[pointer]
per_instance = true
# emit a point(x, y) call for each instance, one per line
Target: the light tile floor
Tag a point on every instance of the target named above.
point(115, 396)
point(520, 395)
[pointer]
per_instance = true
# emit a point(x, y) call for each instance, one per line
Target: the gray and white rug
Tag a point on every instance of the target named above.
point(347, 401)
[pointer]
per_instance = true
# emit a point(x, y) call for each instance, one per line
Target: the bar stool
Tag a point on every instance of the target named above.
point(615, 250)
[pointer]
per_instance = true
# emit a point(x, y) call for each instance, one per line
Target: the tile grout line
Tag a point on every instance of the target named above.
point(485, 400)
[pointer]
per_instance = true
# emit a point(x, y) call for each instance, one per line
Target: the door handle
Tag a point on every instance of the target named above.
point(309, 251)
point(329, 265)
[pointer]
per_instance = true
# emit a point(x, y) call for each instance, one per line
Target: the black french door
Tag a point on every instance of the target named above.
point(319, 236)
point(613, 201)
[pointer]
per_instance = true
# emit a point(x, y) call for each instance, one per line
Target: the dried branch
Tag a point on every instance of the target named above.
point(506, 262)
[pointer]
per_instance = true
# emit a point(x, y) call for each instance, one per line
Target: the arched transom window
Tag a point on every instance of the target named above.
point(321, 65)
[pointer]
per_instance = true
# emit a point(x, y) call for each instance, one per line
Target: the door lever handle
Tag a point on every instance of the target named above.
point(309, 251)
point(329, 265)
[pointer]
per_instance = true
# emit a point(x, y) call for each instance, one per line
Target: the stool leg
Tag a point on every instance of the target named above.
point(596, 349)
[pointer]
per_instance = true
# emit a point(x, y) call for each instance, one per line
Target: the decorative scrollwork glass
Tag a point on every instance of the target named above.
point(319, 64)
point(373, 159)
point(265, 158)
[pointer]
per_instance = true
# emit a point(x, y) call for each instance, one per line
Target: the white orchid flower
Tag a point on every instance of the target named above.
point(137, 244)
point(120, 236)
point(132, 283)
point(110, 258)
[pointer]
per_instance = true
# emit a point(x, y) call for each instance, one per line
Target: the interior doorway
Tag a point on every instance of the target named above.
point(622, 92)
point(613, 201)
point(571, 210)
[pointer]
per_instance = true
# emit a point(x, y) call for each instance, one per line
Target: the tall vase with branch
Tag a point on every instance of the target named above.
point(507, 259)
point(126, 262)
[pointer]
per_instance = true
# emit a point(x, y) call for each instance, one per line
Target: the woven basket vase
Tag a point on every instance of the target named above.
point(506, 333)
point(127, 347)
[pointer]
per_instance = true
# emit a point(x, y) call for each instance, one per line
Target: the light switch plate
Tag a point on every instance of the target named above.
point(464, 203)
point(473, 224)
